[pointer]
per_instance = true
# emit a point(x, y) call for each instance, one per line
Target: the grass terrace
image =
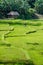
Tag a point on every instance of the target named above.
point(21, 42)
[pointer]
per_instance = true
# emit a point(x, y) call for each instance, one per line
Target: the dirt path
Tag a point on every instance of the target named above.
point(39, 16)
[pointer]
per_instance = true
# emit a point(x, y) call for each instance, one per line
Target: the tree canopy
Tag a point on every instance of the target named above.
point(39, 6)
point(24, 7)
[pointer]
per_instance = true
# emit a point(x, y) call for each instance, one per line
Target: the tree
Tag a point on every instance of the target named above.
point(39, 6)
point(31, 3)
point(19, 5)
point(22, 6)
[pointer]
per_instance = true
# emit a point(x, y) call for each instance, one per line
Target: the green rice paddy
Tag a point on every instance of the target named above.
point(21, 42)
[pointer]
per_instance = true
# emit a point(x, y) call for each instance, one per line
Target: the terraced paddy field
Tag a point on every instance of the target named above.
point(21, 42)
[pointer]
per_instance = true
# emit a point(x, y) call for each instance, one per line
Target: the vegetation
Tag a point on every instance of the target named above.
point(21, 42)
point(22, 6)
point(39, 6)
point(21, 39)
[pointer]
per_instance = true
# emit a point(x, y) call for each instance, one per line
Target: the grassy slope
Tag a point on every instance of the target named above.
point(22, 45)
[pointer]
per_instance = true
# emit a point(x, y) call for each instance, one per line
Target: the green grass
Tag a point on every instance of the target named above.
point(16, 44)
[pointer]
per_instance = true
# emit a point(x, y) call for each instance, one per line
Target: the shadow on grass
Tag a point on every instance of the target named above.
point(19, 35)
point(36, 44)
point(29, 23)
point(33, 48)
point(21, 23)
point(8, 45)
point(19, 62)
point(41, 53)
point(31, 32)
point(14, 36)
point(33, 43)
